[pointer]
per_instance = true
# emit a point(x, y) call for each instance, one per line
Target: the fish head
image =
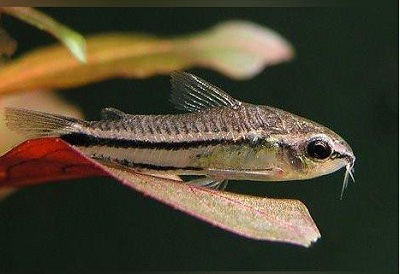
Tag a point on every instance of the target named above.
point(316, 155)
point(311, 150)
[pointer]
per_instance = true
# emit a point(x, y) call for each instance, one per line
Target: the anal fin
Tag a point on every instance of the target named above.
point(210, 182)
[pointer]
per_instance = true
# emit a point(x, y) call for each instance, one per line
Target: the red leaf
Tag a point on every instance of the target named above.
point(43, 160)
point(49, 159)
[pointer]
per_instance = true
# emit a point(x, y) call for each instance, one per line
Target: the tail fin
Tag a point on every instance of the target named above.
point(38, 124)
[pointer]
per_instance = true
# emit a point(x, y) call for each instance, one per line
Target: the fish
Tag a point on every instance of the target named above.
point(216, 138)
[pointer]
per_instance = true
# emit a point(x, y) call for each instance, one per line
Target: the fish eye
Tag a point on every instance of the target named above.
point(319, 149)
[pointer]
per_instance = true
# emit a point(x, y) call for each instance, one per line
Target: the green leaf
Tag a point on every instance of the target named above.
point(70, 38)
point(238, 49)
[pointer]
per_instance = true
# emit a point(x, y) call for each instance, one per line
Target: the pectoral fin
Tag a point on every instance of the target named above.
point(267, 174)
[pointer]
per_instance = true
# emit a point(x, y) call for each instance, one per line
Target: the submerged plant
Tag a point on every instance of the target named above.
point(238, 49)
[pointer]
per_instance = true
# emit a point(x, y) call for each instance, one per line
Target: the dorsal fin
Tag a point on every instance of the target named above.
point(192, 93)
point(112, 114)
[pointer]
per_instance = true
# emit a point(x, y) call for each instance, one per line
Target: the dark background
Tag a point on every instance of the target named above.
point(345, 76)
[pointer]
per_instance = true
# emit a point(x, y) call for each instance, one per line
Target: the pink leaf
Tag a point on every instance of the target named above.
point(51, 159)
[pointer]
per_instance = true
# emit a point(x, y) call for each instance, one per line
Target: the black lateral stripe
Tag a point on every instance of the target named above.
point(155, 167)
point(80, 139)
point(130, 164)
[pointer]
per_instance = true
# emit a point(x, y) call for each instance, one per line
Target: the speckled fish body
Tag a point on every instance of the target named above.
point(218, 136)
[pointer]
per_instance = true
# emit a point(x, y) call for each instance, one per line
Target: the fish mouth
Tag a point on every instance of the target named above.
point(349, 173)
